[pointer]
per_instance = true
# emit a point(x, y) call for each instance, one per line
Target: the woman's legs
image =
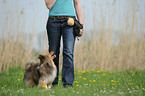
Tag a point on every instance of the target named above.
point(54, 35)
point(56, 28)
point(68, 48)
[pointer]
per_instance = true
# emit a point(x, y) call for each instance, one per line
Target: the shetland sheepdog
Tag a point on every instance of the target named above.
point(41, 74)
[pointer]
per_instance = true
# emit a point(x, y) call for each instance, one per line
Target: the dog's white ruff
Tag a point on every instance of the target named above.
point(51, 77)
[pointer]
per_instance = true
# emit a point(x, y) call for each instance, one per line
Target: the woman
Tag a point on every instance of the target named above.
point(59, 12)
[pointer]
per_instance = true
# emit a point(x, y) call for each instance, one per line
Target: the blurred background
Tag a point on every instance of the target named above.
point(114, 37)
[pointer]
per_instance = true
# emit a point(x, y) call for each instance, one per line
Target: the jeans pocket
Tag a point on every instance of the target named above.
point(51, 20)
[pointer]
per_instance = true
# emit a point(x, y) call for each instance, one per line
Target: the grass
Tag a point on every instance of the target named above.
point(90, 82)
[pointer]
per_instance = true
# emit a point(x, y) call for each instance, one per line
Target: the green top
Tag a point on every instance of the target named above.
point(62, 8)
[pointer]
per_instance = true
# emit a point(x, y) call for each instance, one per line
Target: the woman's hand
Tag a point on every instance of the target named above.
point(81, 32)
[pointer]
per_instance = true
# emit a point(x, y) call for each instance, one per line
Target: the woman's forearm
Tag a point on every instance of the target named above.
point(49, 3)
point(78, 10)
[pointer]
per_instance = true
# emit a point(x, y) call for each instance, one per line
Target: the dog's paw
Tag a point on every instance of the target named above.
point(49, 87)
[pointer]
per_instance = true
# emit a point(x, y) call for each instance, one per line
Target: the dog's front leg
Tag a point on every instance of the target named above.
point(49, 85)
point(42, 84)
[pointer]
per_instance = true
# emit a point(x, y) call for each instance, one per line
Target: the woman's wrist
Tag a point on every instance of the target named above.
point(81, 23)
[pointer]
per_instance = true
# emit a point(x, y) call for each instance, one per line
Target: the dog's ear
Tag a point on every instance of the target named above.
point(50, 54)
point(41, 57)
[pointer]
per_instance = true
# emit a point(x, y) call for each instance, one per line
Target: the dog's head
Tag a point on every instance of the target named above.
point(46, 63)
point(47, 57)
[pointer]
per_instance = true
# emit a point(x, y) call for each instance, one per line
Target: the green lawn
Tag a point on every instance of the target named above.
point(91, 82)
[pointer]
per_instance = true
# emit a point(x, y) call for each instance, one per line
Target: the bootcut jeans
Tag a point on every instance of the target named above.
point(55, 29)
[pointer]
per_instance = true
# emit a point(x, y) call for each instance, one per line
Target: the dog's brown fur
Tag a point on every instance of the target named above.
point(40, 74)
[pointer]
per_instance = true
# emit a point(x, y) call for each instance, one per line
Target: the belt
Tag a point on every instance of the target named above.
point(60, 17)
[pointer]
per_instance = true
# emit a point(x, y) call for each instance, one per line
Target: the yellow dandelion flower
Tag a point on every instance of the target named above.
point(74, 72)
point(21, 74)
point(105, 81)
point(84, 78)
point(59, 79)
point(80, 76)
point(44, 87)
point(18, 79)
point(98, 71)
point(104, 74)
point(75, 81)
point(130, 83)
point(78, 85)
point(112, 80)
point(90, 80)
point(93, 69)
point(82, 71)
point(79, 71)
point(133, 74)
point(137, 86)
point(94, 80)
point(117, 81)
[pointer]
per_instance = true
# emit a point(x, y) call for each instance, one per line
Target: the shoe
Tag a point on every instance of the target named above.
point(67, 85)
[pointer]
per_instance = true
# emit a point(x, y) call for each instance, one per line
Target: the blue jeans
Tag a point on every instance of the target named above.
point(55, 29)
